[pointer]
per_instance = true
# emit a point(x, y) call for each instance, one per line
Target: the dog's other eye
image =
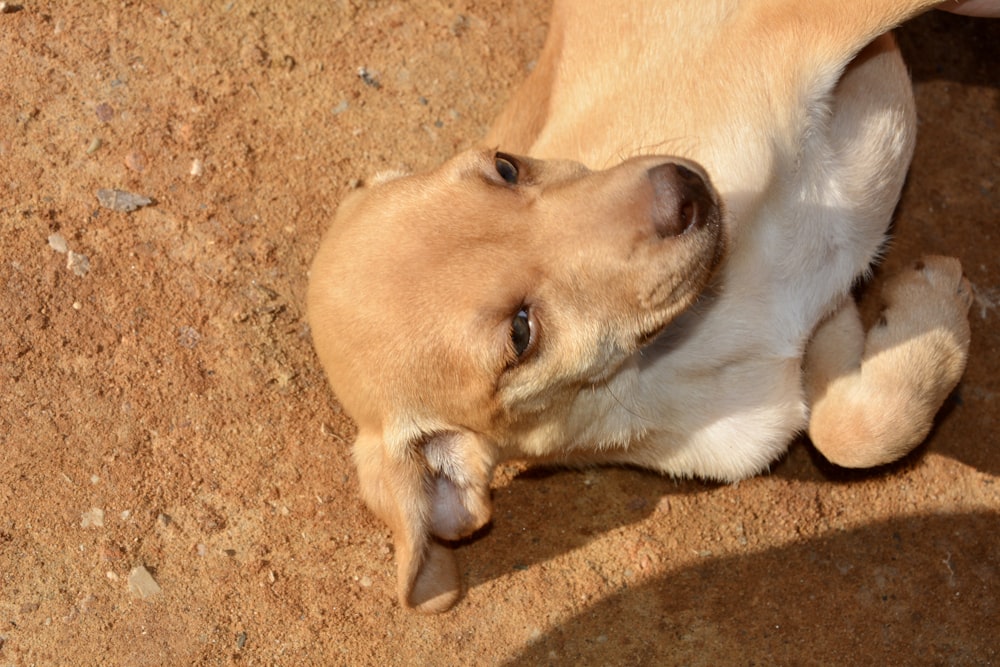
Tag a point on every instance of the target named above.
point(506, 167)
point(520, 332)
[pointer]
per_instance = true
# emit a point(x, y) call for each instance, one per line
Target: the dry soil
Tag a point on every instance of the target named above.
point(161, 406)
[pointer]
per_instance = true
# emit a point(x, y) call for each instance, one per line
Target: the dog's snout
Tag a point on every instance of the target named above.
point(682, 199)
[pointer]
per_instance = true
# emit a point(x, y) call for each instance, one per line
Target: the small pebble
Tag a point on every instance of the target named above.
point(141, 582)
point(197, 167)
point(77, 263)
point(188, 337)
point(119, 200)
point(94, 518)
point(105, 112)
point(58, 243)
point(370, 78)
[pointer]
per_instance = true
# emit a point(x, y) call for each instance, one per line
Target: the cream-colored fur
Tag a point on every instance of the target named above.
point(665, 281)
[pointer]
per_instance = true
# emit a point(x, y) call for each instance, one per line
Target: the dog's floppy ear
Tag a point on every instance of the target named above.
point(427, 489)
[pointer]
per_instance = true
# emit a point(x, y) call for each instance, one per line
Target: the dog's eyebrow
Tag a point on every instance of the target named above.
point(477, 164)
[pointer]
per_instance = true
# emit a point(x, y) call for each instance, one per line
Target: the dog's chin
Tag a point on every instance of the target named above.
point(665, 330)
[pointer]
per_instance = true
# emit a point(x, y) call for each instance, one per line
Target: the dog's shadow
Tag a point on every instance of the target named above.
point(912, 589)
point(877, 594)
point(542, 513)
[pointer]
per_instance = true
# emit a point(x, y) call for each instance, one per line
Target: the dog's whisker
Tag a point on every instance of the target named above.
point(672, 146)
point(630, 410)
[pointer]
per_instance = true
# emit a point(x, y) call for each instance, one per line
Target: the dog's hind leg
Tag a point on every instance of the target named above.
point(874, 395)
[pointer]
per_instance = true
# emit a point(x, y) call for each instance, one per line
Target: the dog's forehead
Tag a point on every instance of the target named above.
point(437, 206)
point(429, 228)
point(406, 255)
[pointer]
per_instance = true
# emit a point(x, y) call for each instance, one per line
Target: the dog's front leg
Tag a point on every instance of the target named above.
point(873, 396)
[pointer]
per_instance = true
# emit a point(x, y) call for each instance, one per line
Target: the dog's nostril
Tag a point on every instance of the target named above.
point(681, 199)
point(685, 173)
point(688, 214)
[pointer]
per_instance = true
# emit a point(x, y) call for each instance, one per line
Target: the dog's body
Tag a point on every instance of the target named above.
point(688, 314)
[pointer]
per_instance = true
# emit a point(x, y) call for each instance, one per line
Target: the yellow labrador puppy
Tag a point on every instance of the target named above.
point(649, 261)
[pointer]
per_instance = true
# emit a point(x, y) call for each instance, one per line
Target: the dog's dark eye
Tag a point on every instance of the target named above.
point(506, 167)
point(520, 332)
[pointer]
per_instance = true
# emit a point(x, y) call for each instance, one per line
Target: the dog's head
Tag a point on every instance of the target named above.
point(464, 312)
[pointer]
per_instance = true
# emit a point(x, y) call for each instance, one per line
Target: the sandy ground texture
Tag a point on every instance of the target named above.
point(175, 482)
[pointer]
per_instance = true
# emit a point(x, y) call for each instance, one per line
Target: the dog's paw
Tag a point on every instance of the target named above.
point(912, 360)
point(932, 295)
point(920, 346)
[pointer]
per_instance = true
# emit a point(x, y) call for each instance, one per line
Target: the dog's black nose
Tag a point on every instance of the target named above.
point(683, 200)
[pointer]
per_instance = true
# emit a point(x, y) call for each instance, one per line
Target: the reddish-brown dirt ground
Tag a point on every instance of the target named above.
point(161, 405)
